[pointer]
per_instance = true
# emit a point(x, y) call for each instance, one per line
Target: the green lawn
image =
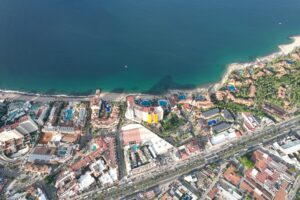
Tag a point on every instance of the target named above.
point(246, 161)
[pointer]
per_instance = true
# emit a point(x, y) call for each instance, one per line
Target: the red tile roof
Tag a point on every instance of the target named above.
point(183, 154)
point(45, 138)
point(86, 160)
point(70, 138)
point(193, 147)
point(249, 189)
point(82, 163)
point(257, 196)
point(281, 194)
point(262, 177)
point(186, 106)
point(131, 136)
point(231, 176)
point(274, 177)
point(213, 193)
point(245, 186)
point(112, 152)
point(101, 144)
point(257, 155)
point(261, 165)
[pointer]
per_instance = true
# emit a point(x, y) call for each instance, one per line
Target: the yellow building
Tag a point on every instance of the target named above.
point(155, 118)
point(149, 118)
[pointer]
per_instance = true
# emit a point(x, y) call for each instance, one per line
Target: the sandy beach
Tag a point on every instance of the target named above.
point(288, 48)
point(118, 97)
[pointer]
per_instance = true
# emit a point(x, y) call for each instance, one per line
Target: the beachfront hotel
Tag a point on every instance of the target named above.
point(143, 111)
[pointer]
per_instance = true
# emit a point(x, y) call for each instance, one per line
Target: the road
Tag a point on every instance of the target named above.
point(293, 191)
point(215, 180)
point(168, 174)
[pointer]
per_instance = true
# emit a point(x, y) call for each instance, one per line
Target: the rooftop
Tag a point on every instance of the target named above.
point(7, 135)
point(231, 176)
point(221, 127)
point(211, 113)
point(228, 115)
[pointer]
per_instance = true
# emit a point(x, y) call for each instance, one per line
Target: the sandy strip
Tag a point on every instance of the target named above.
point(288, 48)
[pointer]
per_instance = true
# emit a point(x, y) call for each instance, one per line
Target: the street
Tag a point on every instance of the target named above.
point(173, 172)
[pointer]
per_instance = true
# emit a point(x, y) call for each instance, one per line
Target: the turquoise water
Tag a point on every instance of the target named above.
point(135, 45)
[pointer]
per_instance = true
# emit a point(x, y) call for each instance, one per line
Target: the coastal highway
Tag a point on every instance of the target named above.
point(169, 173)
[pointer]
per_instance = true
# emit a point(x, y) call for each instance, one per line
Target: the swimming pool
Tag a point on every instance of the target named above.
point(231, 88)
point(145, 103)
point(212, 122)
point(69, 114)
point(162, 103)
point(134, 147)
point(200, 98)
point(62, 151)
point(108, 109)
point(182, 97)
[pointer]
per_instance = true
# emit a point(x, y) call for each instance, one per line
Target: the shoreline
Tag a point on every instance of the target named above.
point(284, 49)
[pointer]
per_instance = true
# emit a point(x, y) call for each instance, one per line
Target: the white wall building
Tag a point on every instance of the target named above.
point(139, 113)
point(223, 137)
point(251, 123)
point(85, 181)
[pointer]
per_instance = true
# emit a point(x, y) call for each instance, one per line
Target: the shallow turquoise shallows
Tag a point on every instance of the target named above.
point(75, 46)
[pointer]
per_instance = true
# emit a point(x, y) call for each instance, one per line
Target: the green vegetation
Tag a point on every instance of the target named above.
point(246, 161)
point(234, 107)
point(298, 194)
point(292, 170)
point(248, 197)
point(49, 179)
point(172, 122)
point(214, 165)
point(267, 87)
point(238, 172)
point(238, 108)
point(243, 92)
point(182, 137)
point(294, 90)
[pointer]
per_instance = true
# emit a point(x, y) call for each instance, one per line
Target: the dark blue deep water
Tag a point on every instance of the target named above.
point(79, 45)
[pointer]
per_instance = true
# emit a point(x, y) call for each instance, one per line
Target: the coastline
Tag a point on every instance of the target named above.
point(284, 49)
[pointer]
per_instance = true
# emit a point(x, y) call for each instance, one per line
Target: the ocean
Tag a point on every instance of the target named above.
point(76, 46)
